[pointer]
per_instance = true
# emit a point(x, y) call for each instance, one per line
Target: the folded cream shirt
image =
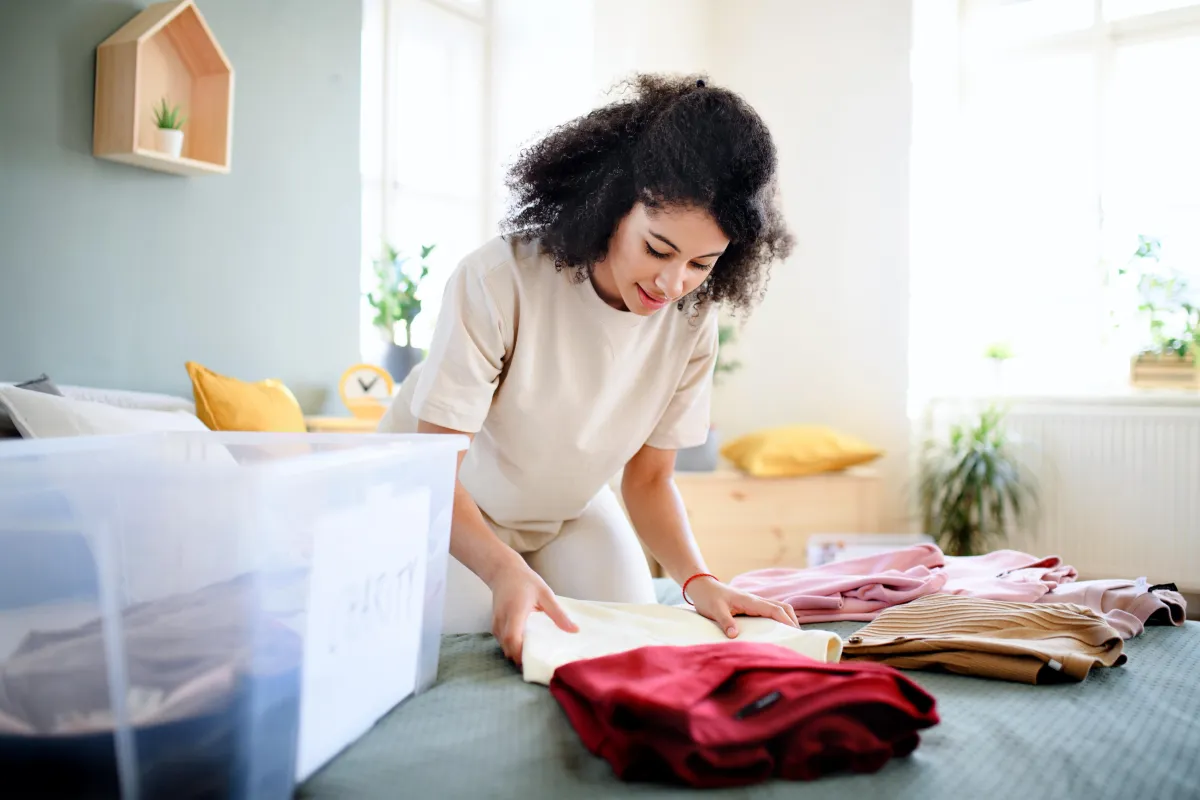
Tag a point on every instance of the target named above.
point(607, 628)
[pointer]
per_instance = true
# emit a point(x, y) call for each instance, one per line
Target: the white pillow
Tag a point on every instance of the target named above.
point(151, 401)
point(168, 541)
point(39, 416)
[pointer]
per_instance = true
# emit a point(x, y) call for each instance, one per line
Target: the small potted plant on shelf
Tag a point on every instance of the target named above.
point(1172, 360)
point(169, 128)
point(973, 490)
point(705, 457)
point(396, 306)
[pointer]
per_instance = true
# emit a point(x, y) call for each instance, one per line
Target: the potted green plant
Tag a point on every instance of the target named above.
point(396, 303)
point(1172, 315)
point(705, 457)
point(168, 126)
point(973, 490)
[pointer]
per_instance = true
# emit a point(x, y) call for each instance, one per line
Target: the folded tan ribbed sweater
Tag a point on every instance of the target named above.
point(1025, 642)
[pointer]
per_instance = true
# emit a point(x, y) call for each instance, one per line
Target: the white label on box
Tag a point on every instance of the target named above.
point(365, 606)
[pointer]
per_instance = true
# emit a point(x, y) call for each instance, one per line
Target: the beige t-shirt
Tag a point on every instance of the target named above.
point(560, 388)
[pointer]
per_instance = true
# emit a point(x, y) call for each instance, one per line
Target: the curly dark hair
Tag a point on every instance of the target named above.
point(674, 141)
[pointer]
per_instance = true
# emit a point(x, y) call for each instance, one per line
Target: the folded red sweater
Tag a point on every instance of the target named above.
point(737, 713)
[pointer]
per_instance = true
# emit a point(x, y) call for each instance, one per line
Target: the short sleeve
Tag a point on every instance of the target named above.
point(686, 421)
point(462, 370)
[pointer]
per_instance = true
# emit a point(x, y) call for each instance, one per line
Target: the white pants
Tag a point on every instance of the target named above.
point(595, 557)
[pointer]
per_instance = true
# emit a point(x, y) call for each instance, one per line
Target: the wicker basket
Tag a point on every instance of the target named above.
point(1165, 371)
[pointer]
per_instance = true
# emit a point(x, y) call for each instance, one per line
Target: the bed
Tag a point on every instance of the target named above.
point(1128, 732)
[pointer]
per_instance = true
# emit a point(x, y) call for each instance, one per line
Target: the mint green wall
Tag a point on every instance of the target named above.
point(113, 276)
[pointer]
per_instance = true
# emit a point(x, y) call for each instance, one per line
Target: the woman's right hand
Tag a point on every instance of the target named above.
point(517, 592)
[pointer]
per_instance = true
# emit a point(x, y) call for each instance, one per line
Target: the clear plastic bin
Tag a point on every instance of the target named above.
point(212, 615)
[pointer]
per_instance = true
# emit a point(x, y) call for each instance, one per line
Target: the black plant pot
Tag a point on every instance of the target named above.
point(399, 360)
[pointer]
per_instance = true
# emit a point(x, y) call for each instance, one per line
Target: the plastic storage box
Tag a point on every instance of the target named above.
point(212, 615)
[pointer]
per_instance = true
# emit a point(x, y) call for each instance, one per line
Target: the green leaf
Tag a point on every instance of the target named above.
point(999, 351)
point(167, 117)
point(396, 290)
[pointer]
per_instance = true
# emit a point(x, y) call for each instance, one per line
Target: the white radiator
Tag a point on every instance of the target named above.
point(1119, 483)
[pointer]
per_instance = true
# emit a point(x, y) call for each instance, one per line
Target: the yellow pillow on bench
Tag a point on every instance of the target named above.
point(228, 404)
point(797, 450)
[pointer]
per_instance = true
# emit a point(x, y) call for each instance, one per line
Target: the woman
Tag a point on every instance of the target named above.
point(582, 345)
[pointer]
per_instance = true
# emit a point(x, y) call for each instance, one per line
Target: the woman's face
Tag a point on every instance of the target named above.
point(656, 256)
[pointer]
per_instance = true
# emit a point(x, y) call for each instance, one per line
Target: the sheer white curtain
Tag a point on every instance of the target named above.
point(1048, 135)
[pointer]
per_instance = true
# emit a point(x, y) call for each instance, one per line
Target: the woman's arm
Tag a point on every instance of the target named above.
point(657, 512)
point(516, 589)
point(472, 540)
point(658, 516)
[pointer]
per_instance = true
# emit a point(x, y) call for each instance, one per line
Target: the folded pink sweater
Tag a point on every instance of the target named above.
point(1006, 575)
point(1126, 605)
point(858, 589)
point(855, 589)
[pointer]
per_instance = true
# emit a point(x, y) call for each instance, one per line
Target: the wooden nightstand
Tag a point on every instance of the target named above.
point(341, 425)
point(743, 523)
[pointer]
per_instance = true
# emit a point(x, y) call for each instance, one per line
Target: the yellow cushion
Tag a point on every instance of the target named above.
point(227, 404)
point(797, 450)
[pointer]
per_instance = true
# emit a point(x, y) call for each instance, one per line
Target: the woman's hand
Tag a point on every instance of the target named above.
point(720, 603)
point(517, 592)
point(658, 515)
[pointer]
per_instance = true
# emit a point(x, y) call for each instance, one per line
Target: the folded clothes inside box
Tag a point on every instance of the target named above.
point(212, 695)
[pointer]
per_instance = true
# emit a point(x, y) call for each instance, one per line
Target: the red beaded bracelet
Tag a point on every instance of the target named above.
point(689, 580)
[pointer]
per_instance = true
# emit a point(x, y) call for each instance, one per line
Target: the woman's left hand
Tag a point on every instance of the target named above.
point(720, 603)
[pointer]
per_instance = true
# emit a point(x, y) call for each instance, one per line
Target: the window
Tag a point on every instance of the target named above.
point(424, 140)
point(451, 90)
point(1070, 127)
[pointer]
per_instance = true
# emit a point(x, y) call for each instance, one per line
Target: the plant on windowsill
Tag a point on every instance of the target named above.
point(396, 303)
point(704, 458)
point(1173, 317)
point(973, 490)
point(168, 126)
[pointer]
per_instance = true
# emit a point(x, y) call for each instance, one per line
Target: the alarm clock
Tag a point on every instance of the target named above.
point(366, 390)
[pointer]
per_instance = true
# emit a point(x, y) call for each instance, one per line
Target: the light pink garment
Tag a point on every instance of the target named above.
point(856, 589)
point(1127, 605)
point(1006, 575)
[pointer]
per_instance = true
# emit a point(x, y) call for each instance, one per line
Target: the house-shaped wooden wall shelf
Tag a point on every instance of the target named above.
point(167, 51)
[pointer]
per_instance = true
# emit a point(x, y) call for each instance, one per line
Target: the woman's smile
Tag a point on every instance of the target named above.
point(652, 302)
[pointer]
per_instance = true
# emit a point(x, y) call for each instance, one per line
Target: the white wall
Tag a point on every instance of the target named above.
point(652, 36)
point(553, 60)
point(829, 344)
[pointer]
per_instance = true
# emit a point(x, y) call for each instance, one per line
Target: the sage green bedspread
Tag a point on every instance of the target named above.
point(1132, 733)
